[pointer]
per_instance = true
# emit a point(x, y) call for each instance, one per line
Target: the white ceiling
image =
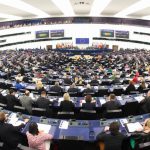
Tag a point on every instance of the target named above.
point(25, 9)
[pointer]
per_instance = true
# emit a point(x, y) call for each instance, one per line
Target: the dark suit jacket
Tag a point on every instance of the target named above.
point(145, 105)
point(112, 142)
point(73, 90)
point(130, 88)
point(67, 106)
point(88, 91)
point(57, 89)
point(88, 106)
point(94, 82)
point(11, 101)
point(10, 135)
point(43, 102)
point(67, 81)
point(111, 105)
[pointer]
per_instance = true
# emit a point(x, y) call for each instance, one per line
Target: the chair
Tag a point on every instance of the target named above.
point(73, 94)
point(19, 109)
point(54, 93)
point(39, 111)
point(3, 105)
point(118, 91)
point(109, 114)
point(130, 108)
point(87, 115)
point(65, 115)
point(102, 91)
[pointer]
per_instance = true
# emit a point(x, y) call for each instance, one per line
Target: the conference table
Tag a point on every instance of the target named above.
point(84, 130)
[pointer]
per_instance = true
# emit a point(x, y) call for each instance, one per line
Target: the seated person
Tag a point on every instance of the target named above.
point(130, 87)
point(145, 104)
point(88, 89)
point(11, 99)
point(142, 86)
point(94, 81)
point(43, 101)
point(73, 88)
point(39, 85)
point(146, 127)
point(67, 80)
point(19, 77)
point(36, 138)
point(66, 104)
point(112, 140)
point(27, 101)
point(56, 88)
point(10, 135)
point(18, 85)
point(79, 81)
point(112, 104)
point(88, 105)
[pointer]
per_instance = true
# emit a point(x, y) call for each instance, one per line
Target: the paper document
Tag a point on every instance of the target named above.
point(132, 127)
point(44, 127)
point(139, 98)
point(119, 98)
point(102, 101)
point(60, 99)
point(63, 124)
point(123, 121)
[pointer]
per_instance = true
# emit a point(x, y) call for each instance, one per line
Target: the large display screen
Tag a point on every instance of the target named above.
point(107, 33)
point(42, 34)
point(122, 34)
point(57, 33)
point(82, 40)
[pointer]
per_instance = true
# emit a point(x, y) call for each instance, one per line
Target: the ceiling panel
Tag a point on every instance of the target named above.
point(14, 11)
point(141, 13)
point(45, 5)
point(116, 6)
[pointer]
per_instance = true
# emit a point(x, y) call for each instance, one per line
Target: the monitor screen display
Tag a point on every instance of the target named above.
point(57, 33)
point(107, 33)
point(122, 34)
point(42, 34)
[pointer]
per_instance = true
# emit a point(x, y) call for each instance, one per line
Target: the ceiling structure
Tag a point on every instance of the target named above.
point(27, 9)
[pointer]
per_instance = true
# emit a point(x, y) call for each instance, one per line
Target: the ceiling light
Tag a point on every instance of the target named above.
point(98, 6)
point(64, 6)
point(134, 8)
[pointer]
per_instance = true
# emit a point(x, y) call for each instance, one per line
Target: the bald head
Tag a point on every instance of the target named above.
point(2, 117)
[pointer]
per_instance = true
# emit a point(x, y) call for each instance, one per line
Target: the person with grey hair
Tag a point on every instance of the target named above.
point(26, 101)
point(56, 88)
point(73, 89)
point(88, 89)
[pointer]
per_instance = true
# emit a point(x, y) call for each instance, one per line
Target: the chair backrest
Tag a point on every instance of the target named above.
point(130, 108)
point(118, 91)
point(113, 114)
point(39, 111)
point(65, 115)
point(87, 115)
point(102, 92)
point(19, 109)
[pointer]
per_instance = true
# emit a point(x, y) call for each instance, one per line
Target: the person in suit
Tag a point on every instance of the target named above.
point(56, 88)
point(145, 104)
point(66, 104)
point(67, 80)
point(142, 87)
point(130, 87)
point(73, 88)
point(36, 138)
point(26, 101)
point(89, 105)
point(88, 89)
point(43, 101)
point(10, 135)
point(11, 99)
point(112, 104)
point(94, 81)
point(111, 138)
